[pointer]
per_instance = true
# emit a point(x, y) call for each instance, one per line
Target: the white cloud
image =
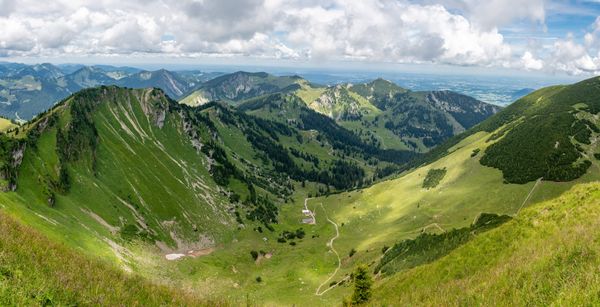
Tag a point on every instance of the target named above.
point(573, 58)
point(494, 13)
point(531, 63)
point(377, 30)
point(457, 32)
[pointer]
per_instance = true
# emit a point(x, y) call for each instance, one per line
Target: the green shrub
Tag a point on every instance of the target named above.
point(362, 285)
point(426, 247)
point(433, 178)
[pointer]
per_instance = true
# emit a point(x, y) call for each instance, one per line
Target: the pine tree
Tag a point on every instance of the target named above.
point(362, 285)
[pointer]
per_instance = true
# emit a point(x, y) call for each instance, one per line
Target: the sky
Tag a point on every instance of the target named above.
point(544, 37)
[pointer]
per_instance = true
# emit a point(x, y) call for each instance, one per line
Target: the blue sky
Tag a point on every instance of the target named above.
point(562, 17)
point(535, 37)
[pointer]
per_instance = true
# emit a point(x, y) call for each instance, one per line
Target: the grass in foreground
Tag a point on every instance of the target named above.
point(36, 271)
point(547, 255)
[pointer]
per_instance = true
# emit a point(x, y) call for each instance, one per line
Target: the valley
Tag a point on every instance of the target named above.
point(220, 197)
point(299, 153)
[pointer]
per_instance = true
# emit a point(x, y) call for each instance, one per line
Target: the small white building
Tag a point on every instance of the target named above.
point(306, 212)
point(308, 221)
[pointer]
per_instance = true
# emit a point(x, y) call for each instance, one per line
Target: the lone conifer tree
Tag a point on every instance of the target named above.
point(362, 285)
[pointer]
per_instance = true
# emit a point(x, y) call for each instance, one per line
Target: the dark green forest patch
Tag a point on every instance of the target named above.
point(433, 178)
point(426, 247)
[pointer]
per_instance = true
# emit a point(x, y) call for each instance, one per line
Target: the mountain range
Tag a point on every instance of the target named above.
point(380, 112)
point(26, 90)
point(258, 189)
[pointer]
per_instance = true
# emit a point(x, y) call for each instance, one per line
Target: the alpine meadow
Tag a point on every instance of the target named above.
point(293, 153)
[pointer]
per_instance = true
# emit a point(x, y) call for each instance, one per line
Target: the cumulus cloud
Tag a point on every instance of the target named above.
point(392, 31)
point(571, 55)
point(573, 58)
point(494, 13)
point(458, 32)
point(378, 30)
point(530, 63)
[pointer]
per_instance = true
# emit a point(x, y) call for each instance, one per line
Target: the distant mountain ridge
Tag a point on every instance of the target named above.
point(240, 85)
point(380, 112)
point(27, 90)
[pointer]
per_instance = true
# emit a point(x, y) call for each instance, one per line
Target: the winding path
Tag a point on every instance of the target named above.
point(318, 292)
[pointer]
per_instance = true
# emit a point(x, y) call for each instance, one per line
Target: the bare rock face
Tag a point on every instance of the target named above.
point(337, 104)
point(155, 105)
point(9, 174)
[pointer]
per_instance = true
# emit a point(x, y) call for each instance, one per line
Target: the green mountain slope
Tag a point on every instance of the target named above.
point(550, 134)
point(379, 112)
point(222, 188)
point(563, 119)
point(131, 176)
point(35, 271)
point(450, 189)
point(128, 149)
point(395, 117)
point(239, 86)
point(547, 255)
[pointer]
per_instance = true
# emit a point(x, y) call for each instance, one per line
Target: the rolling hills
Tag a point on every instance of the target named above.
point(221, 187)
point(380, 112)
point(396, 117)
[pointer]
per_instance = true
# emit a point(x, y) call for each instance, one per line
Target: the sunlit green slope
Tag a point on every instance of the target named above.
point(85, 186)
point(111, 165)
point(36, 271)
point(393, 117)
point(132, 177)
point(547, 255)
point(453, 187)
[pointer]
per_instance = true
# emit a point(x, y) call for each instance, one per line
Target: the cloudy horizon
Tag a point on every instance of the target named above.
point(537, 36)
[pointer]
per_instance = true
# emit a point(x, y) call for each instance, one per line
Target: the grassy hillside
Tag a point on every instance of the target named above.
point(109, 166)
point(367, 220)
point(379, 112)
point(547, 255)
point(6, 124)
point(238, 86)
point(36, 271)
point(225, 188)
point(171, 179)
point(392, 117)
point(564, 121)
point(454, 188)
